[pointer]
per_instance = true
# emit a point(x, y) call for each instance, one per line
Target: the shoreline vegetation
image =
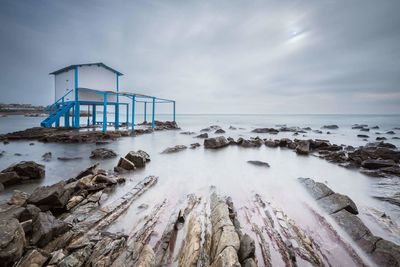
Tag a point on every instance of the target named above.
point(65, 224)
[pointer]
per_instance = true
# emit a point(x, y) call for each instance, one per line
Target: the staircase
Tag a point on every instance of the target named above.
point(60, 110)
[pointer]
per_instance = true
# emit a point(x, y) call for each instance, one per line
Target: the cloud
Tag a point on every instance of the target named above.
point(213, 57)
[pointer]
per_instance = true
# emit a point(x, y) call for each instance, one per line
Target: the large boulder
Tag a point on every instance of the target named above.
point(29, 169)
point(351, 224)
point(12, 241)
point(103, 153)
point(378, 163)
point(216, 142)
point(50, 197)
point(25, 170)
point(137, 158)
point(303, 147)
point(45, 227)
point(386, 253)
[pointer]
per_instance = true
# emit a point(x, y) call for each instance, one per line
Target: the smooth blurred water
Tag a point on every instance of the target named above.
point(194, 171)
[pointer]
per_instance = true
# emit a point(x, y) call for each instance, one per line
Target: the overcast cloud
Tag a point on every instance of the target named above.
point(282, 56)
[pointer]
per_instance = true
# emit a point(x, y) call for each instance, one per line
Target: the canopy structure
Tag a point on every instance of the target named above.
point(134, 98)
point(105, 98)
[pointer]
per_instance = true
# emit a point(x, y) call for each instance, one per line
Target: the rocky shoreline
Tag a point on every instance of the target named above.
point(67, 223)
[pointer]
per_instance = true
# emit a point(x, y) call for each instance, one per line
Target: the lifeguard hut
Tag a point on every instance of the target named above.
point(94, 85)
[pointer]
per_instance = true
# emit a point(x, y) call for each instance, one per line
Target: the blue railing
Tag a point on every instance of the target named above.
point(55, 104)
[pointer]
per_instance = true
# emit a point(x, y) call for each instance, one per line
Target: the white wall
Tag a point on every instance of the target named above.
point(92, 77)
point(64, 82)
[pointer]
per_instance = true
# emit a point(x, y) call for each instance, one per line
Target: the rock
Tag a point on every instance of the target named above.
point(380, 144)
point(216, 142)
point(232, 128)
point(103, 153)
point(203, 135)
point(265, 130)
point(247, 248)
point(375, 127)
point(227, 257)
point(1, 187)
point(144, 155)
point(191, 247)
point(377, 163)
point(187, 133)
point(29, 213)
point(32, 258)
point(27, 226)
point(9, 178)
point(126, 164)
point(194, 145)
point(121, 180)
point(249, 263)
point(395, 199)
point(68, 158)
point(26, 170)
point(138, 159)
point(219, 131)
point(336, 202)
point(77, 258)
point(386, 253)
point(362, 136)
point(91, 170)
point(390, 132)
point(316, 189)
point(351, 224)
point(56, 257)
point(380, 138)
point(205, 129)
point(359, 126)
point(45, 227)
point(50, 197)
point(271, 143)
point(12, 241)
point(103, 179)
point(174, 149)
point(73, 201)
point(317, 131)
point(364, 130)
point(258, 163)
point(47, 156)
point(147, 257)
point(303, 147)
point(331, 127)
point(19, 198)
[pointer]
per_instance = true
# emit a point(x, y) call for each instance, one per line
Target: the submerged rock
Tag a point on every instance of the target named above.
point(194, 145)
point(174, 149)
point(259, 163)
point(203, 135)
point(219, 131)
point(47, 156)
point(187, 133)
point(103, 153)
point(216, 142)
point(362, 136)
point(265, 130)
point(331, 127)
point(377, 163)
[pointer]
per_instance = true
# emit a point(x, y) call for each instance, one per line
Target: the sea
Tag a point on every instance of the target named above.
point(226, 170)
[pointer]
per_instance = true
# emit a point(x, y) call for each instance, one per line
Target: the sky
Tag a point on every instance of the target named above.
point(248, 57)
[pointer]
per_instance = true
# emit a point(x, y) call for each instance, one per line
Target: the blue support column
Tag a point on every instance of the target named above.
point(145, 112)
point(58, 120)
point(94, 115)
point(88, 116)
point(66, 119)
point(174, 116)
point(133, 114)
point(127, 115)
point(77, 111)
point(73, 116)
point(117, 105)
point(153, 113)
point(105, 113)
point(117, 115)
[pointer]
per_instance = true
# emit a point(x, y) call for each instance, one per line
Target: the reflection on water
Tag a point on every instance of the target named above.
point(194, 171)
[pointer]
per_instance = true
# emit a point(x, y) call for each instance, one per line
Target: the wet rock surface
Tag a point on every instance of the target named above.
point(174, 149)
point(259, 163)
point(103, 153)
point(21, 172)
point(344, 211)
point(216, 142)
